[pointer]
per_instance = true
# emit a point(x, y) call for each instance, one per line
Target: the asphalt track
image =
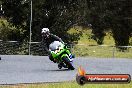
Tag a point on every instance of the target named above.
point(15, 69)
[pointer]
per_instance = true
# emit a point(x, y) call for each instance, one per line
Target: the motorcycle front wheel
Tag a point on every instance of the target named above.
point(68, 63)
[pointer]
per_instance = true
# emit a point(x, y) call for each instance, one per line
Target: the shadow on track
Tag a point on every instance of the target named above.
point(60, 70)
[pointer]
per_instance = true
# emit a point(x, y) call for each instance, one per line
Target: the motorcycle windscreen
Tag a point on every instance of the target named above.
point(55, 45)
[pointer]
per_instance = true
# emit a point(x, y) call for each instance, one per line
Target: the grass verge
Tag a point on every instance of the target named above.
point(98, 51)
point(101, 51)
point(69, 85)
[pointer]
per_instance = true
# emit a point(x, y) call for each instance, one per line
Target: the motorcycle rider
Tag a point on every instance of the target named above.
point(47, 39)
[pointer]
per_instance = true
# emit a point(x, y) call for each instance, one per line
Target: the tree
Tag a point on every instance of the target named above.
point(17, 14)
point(96, 16)
point(115, 15)
point(57, 15)
point(9, 32)
point(60, 15)
point(121, 21)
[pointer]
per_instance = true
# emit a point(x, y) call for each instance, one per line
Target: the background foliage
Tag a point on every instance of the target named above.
point(62, 15)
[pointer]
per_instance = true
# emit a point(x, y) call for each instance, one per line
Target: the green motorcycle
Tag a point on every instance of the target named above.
point(61, 55)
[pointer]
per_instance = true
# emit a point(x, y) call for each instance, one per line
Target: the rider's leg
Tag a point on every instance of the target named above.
point(51, 58)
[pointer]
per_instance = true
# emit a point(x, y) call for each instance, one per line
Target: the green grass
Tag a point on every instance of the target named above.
point(86, 36)
point(68, 85)
point(100, 51)
point(97, 51)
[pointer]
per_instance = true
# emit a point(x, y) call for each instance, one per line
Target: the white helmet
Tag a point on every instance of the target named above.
point(45, 30)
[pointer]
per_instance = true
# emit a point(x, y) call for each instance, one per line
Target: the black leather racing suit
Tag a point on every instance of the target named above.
point(46, 41)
